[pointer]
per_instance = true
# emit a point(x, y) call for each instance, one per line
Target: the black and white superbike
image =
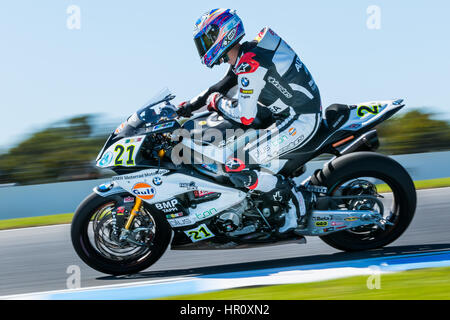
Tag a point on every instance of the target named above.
point(360, 199)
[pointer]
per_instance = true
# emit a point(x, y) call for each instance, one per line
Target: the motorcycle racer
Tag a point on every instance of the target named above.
point(264, 74)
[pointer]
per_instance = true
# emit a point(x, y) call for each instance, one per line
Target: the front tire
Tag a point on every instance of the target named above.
point(369, 164)
point(92, 256)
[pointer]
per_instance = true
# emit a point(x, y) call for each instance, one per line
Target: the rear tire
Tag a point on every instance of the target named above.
point(87, 252)
point(369, 164)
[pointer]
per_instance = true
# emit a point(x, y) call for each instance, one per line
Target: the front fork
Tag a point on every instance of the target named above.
point(134, 212)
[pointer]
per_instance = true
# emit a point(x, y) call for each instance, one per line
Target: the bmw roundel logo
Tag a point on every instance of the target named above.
point(157, 181)
point(245, 82)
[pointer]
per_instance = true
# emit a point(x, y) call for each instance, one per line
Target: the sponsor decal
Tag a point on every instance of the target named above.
point(246, 64)
point(321, 223)
point(243, 68)
point(143, 191)
point(246, 91)
point(277, 196)
point(133, 140)
point(338, 121)
point(260, 35)
point(174, 215)
point(141, 175)
point(292, 131)
point(106, 159)
point(157, 181)
point(120, 128)
point(201, 193)
point(245, 82)
point(351, 219)
point(128, 199)
point(206, 214)
point(328, 229)
point(291, 145)
point(342, 227)
point(189, 185)
point(275, 109)
point(167, 206)
point(322, 218)
point(202, 123)
point(280, 88)
point(229, 37)
point(334, 223)
point(266, 149)
point(180, 222)
point(163, 126)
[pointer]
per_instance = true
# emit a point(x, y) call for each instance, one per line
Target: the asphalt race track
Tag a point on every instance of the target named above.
point(36, 259)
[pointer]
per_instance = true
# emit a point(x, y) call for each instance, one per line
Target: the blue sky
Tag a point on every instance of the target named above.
point(126, 51)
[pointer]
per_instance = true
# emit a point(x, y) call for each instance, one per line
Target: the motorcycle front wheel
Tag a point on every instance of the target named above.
point(94, 241)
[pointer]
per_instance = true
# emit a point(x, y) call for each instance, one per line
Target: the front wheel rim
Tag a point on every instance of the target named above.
point(98, 235)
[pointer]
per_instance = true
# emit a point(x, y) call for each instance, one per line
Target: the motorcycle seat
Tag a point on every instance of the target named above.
point(336, 115)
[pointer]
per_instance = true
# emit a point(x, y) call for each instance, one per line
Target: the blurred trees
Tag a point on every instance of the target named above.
point(67, 150)
point(414, 132)
point(64, 151)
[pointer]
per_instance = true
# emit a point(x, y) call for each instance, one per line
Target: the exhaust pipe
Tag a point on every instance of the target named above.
point(367, 142)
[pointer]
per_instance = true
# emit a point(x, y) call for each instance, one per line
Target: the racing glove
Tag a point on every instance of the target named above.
point(184, 109)
point(213, 101)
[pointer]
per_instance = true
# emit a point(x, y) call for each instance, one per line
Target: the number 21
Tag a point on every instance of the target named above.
point(121, 150)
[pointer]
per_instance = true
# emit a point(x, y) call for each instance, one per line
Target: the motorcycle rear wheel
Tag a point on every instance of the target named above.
point(370, 164)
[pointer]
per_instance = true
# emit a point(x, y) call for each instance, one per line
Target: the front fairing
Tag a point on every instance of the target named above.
point(123, 146)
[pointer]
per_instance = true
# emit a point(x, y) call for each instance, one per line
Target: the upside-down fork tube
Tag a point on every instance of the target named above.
point(134, 212)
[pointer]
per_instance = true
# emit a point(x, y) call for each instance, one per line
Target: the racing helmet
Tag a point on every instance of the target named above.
point(215, 33)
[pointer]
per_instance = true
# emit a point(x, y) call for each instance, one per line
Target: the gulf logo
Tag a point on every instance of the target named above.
point(292, 131)
point(143, 191)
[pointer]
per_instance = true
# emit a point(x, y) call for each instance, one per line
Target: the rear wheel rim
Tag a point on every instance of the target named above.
point(391, 213)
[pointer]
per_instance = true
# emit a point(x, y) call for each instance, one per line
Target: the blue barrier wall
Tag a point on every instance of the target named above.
point(64, 197)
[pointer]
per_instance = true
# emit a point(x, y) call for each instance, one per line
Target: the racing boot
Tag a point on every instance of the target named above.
point(286, 195)
point(295, 217)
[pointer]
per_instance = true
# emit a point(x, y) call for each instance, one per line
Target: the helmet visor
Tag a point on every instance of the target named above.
point(205, 40)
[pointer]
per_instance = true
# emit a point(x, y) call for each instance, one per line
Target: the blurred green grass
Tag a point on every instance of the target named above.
point(422, 284)
point(420, 184)
point(36, 221)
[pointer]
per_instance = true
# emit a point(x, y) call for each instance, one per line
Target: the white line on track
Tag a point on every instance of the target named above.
point(35, 228)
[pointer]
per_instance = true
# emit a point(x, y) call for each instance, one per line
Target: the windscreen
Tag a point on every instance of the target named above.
point(158, 108)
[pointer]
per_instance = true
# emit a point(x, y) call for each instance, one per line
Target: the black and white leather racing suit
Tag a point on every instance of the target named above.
point(268, 73)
